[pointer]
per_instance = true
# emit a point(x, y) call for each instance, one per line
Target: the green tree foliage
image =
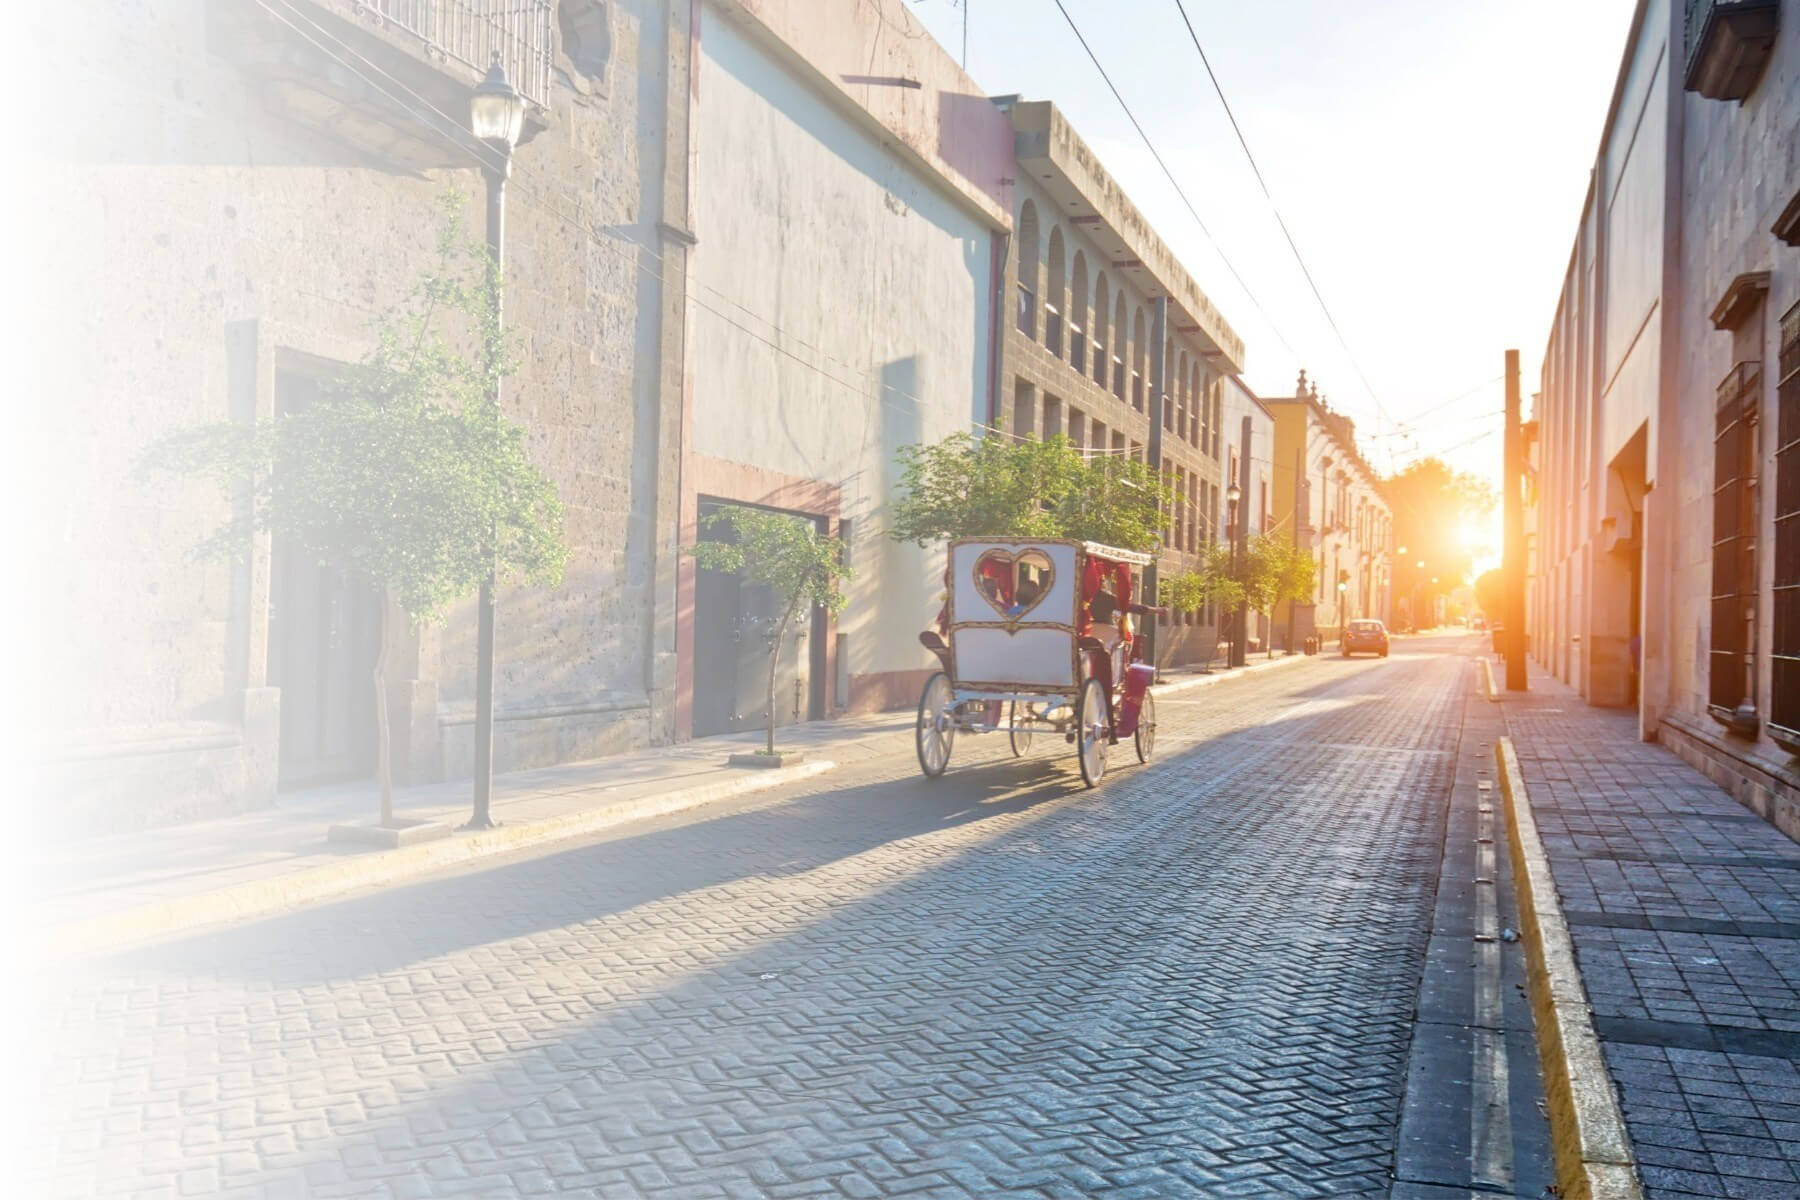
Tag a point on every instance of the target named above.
point(1433, 505)
point(788, 556)
point(402, 470)
point(1490, 593)
point(992, 487)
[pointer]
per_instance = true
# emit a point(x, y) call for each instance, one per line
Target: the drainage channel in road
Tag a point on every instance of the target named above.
point(1473, 1121)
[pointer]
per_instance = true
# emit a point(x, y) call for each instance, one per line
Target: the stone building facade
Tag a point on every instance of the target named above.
point(1110, 342)
point(1667, 456)
point(241, 187)
point(1257, 499)
point(1343, 517)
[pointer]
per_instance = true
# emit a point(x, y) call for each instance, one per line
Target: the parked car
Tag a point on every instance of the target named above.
point(1479, 623)
point(1364, 637)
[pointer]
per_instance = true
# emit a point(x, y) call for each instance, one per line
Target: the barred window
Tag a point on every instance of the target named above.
point(1732, 663)
point(1784, 700)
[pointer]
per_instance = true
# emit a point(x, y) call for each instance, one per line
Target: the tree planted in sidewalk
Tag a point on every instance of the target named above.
point(402, 471)
point(995, 487)
point(786, 554)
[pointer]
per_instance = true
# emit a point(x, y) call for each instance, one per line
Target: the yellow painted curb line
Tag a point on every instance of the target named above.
point(1594, 1159)
point(165, 918)
point(1487, 679)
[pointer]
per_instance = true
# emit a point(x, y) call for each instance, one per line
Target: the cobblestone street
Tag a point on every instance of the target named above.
point(1199, 979)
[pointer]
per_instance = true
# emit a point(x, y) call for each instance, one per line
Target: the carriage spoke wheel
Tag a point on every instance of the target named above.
point(1020, 729)
point(935, 730)
point(1090, 731)
point(1145, 737)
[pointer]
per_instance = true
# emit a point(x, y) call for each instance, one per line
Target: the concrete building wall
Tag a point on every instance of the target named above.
point(844, 304)
point(1686, 193)
point(1345, 519)
point(1084, 277)
point(208, 236)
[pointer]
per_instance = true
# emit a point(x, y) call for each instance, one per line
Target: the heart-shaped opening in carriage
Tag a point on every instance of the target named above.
point(1014, 583)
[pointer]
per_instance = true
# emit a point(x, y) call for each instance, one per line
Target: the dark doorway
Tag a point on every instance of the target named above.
point(324, 624)
point(733, 622)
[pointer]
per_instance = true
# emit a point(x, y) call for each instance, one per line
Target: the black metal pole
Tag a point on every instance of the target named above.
point(1240, 640)
point(1159, 354)
point(482, 817)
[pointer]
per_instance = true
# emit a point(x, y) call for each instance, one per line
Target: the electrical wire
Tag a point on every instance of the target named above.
point(1173, 182)
point(1279, 220)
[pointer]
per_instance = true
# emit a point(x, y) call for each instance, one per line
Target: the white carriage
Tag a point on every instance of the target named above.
point(1037, 637)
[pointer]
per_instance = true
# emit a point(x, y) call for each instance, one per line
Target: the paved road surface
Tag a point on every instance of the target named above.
point(1199, 979)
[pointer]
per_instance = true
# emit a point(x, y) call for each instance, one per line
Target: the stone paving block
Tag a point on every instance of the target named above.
point(1196, 980)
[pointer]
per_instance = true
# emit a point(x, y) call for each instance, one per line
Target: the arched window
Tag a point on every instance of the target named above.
point(1101, 311)
point(1054, 302)
point(1028, 269)
point(1118, 345)
point(1139, 357)
point(1196, 406)
point(1183, 398)
point(1078, 310)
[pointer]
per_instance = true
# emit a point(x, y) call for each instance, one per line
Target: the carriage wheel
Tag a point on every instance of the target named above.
point(1090, 731)
point(1020, 733)
point(935, 732)
point(1146, 727)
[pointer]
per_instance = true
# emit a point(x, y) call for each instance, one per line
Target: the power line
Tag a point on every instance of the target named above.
point(1298, 257)
point(1173, 182)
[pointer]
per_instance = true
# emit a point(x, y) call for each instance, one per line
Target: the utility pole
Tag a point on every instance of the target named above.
point(1159, 353)
point(1240, 634)
point(1512, 483)
point(1299, 511)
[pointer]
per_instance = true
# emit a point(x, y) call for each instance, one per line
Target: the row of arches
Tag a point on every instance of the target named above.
point(1100, 333)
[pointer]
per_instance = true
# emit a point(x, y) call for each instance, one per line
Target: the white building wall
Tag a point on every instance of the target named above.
point(842, 310)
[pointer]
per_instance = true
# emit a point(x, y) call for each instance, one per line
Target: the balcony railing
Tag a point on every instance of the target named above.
point(471, 32)
point(1729, 42)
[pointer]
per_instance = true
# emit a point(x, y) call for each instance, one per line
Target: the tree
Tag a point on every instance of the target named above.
point(1490, 592)
point(402, 471)
point(790, 557)
point(993, 487)
point(1435, 507)
point(1295, 575)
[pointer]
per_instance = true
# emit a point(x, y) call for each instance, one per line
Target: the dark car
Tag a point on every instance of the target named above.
point(1364, 637)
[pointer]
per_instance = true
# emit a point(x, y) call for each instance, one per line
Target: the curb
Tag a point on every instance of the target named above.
point(1487, 679)
point(1594, 1158)
point(261, 898)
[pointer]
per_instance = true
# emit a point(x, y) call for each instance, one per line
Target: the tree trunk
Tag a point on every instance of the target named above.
point(384, 763)
point(775, 661)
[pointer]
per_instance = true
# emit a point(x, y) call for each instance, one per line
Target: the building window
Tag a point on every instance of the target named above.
point(1077, 348)
point(1053, 330)
point(1784, 699)
point(1731, 665)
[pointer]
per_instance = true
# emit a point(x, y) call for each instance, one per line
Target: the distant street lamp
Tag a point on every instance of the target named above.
point(496, 117)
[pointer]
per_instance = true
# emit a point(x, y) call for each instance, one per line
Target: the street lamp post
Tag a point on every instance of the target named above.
point(496, 117)
point(1239, 642)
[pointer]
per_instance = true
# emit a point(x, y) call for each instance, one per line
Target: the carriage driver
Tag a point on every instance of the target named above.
point(1112, 629)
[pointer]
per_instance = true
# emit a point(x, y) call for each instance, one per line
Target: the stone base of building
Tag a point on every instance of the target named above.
point(166, 776)
point(1766, 786)
point(886, 691)
point(545, 737)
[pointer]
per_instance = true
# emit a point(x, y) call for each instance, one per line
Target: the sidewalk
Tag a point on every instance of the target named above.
point(111, 891)
point(1684, 908)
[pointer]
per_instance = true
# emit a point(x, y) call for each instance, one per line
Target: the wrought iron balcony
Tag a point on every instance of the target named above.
point(1728, 45)
point(389, 78)
point(471, 32)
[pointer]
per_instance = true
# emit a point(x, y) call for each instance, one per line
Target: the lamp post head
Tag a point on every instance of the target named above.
point(1233, 494)
point(496, 110)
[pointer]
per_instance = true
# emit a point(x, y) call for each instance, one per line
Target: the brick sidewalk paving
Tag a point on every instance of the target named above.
point(1685, 911)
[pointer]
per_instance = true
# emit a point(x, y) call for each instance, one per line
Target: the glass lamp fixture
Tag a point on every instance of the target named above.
point(496, 110)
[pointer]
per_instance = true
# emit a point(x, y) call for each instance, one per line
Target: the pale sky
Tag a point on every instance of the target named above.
point(1430, 158)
